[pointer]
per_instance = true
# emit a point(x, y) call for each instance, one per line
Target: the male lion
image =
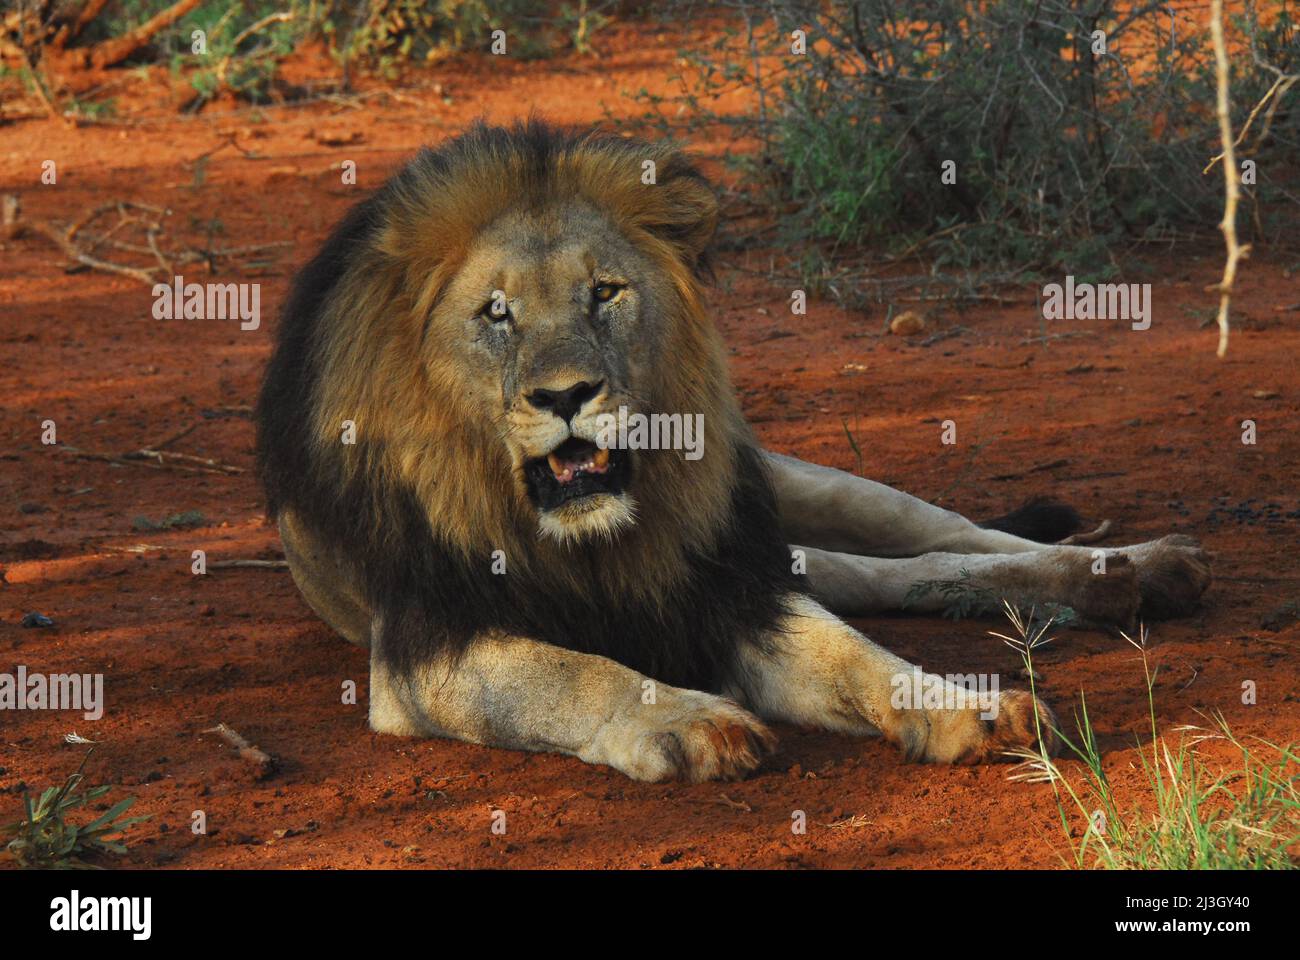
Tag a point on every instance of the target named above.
point(426, 437)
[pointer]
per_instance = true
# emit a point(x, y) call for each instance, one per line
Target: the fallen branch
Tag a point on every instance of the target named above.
point(855, 821)
point(256, 564)
point(88, 13)
point(1064, 335)
point(169, 440)
point(247, 751)
point(155, 460)
point(137, 548)
point(167, 457)
point(961, 297)
point(1039, 468)
point(81, 246)
point(117, 49)
point(72, 252)
point(942, 335)
point(37, 79)
point(725, 801)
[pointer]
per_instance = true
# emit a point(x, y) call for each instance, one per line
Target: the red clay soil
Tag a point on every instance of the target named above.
point(1143, 428)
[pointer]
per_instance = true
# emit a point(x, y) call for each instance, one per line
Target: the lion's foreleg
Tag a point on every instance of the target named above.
point(519, 693)
point(818, 671)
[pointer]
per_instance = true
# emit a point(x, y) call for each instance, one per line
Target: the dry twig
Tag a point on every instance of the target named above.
point(143, 216)
point(725, 801)
point(256, 564)
point(156, 460)
point(1275, 93)
point(247, 751)
point(281, 17)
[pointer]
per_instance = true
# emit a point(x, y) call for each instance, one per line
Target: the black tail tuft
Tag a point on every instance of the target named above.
point(1041, 519)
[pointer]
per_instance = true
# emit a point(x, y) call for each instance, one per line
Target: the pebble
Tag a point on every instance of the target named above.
point(907, 323)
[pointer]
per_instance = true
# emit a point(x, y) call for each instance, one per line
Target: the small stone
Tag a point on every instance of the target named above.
point(907, 323)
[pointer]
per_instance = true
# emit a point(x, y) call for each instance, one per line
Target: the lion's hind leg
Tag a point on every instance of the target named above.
point(850, 585)
point(833, 510)
point(840, 514)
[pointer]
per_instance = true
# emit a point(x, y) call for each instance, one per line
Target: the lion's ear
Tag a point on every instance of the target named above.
point(684, 211)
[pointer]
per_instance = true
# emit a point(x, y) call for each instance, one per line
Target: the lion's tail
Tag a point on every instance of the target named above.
point(1041, 519)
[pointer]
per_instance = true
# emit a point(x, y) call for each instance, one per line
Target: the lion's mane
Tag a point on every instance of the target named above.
point(418, 505)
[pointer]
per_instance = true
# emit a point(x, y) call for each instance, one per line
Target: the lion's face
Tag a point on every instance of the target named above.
point(557, 319)
point(503, 299)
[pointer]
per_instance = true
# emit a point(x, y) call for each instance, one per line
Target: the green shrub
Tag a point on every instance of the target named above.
point(45, 839)
point(1064, 145)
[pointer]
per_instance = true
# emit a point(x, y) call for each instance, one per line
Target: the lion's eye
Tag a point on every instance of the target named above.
point(496, 309)
point(607, 292)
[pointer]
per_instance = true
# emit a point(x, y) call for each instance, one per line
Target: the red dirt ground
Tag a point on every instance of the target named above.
point(1141, 428)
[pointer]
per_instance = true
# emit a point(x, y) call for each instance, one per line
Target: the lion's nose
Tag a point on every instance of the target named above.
point(565, 403)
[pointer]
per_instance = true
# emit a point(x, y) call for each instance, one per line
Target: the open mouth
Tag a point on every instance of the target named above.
point(573, 470)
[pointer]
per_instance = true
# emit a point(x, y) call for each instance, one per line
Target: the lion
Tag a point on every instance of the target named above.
point(433, 441)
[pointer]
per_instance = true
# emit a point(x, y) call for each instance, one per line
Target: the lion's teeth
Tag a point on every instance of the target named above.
point(566, 470)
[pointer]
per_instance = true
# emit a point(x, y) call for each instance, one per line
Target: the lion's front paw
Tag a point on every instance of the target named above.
point(1014, 728)
point(980, 734)
point(686, 735)
point(1173, 572)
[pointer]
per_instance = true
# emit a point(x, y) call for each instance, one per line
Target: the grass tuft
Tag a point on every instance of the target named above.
point(1243, 817)
point(44, 839)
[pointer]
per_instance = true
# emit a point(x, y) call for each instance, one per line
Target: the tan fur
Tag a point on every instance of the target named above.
point(396, 356)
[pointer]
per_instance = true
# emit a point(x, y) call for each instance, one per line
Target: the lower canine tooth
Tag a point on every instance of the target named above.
point(601, 459)
point(556, 466)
